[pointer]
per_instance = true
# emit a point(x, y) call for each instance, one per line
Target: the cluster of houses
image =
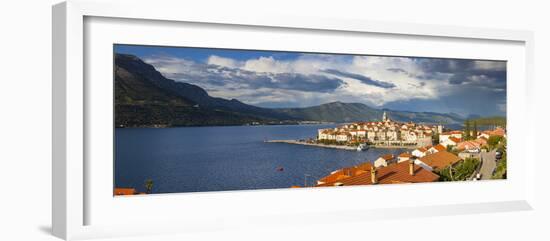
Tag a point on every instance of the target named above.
point(382, 132)
point(420, 165)
point(456, 141)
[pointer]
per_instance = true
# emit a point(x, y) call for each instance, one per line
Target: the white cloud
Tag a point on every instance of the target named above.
point(268, 65)
point(373, 80)
point(224, 62)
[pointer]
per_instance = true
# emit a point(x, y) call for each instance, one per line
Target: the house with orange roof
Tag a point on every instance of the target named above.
point(420, 152)
point(469, 145)
point(451, 141)
point(343, 136)
point(499, 131)
point(482, 141)
point(404, 172)
point(405, 156)
point(384, 160)
point(445, 135)
point(440, 160)
point(346, 172)
point(436, 148)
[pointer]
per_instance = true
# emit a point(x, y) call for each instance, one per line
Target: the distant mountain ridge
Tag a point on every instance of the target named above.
point(352, 112)
point(144, 97)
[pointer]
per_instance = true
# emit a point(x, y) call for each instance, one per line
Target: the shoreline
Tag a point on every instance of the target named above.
point(342, 147)
point(394, 147)
point(295, 142)
point(202, 126)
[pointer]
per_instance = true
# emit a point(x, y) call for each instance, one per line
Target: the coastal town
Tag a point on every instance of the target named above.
point(381, 133)
point(435, 155)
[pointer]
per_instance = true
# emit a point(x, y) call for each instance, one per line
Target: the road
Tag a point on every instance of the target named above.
point(488, 164)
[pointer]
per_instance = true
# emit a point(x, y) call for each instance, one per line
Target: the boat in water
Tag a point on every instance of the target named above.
point(362, 147)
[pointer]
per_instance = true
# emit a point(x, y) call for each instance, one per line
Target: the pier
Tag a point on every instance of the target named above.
point(343, 147)
point(296, 142)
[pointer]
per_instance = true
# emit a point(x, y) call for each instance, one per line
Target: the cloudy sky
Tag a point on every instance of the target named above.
point(288, 79)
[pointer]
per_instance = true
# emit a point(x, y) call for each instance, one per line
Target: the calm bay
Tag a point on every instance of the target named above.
point(220, 158)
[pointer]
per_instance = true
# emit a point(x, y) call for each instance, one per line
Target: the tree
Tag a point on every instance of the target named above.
point(435, 138)
point(450, 148)
point(461, 172)
point(149, 185)
point(474, 131)
point(494, 141)
point(500, 171)
point(467, 130)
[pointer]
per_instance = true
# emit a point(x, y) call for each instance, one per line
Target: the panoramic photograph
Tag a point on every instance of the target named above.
point(191, 119)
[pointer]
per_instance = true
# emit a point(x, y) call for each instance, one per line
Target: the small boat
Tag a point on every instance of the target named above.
point(362, 147)
point(280, 169)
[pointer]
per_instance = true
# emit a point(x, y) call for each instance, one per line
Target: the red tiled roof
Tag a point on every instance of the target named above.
point(391, 174)
point(405, 154)
point(440, 160)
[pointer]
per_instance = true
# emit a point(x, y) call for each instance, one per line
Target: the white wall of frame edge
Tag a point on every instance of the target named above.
point(74, 202)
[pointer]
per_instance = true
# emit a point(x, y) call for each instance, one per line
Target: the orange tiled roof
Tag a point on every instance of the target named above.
point(451, 133)
point(391, 174)
point(454, 139)
point(387, 157)
point(440, 160)
point(469, 144)
point(440, 147)
point(347, 172)
point(422, 149)
point(405, 154)
point(365, 166)
point(125, 191)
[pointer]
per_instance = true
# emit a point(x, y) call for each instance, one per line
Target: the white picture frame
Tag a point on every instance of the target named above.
point(76, 194)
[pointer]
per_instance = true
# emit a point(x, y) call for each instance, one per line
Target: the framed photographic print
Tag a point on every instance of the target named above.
point(177, 121)
point(194, 119)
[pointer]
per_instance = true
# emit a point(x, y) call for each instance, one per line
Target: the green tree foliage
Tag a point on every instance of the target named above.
point(459, 172)
point(474, 131)
point(467, 130)
point(494, 141)
point(491, 121)
point(149, 185)
point(500, 171)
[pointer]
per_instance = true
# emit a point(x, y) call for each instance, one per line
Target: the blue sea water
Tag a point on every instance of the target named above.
point(197, 159)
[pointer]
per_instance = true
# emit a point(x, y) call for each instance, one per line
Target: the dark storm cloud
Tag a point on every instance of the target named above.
point(224, 76)
point(362, 78)
point(482, 73)
point(311, 83)
point(465, 100)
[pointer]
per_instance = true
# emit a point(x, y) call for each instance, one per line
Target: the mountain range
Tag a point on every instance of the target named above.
point(145, 98)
